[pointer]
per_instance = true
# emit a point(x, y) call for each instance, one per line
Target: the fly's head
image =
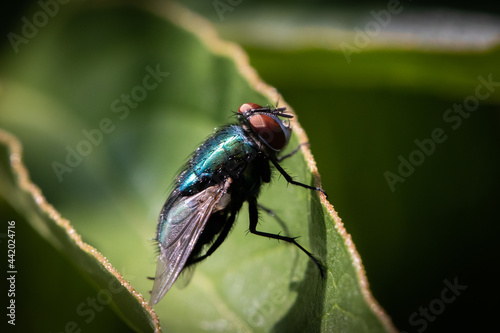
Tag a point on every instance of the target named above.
point(270, 126)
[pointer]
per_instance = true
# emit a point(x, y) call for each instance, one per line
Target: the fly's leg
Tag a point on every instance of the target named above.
point(220, 239)
point(293, 152)
point(270, 212)
point(282, 224)
point(293, 182)
point(254, 219)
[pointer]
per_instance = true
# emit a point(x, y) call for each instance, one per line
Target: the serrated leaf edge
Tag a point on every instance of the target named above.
point(25, 184)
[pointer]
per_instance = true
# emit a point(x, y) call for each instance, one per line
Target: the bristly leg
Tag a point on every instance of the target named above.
point(293, 152)
point(271, 213)
point(254, 219)
point(293, 182)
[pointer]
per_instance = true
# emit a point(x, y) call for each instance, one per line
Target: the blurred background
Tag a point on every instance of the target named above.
point(404, 127)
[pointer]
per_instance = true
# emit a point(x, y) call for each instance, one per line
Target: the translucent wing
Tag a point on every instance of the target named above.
point(181, 227)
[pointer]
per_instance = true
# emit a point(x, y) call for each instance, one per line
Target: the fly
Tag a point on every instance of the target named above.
point(226, 170)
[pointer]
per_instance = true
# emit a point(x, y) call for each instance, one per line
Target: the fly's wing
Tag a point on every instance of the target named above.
point(182, 225)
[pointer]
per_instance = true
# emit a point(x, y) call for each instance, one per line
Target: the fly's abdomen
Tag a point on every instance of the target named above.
point(222, 155)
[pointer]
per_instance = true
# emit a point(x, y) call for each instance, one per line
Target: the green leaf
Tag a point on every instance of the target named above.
point(34, 263)
point(108, 103)
point(364, 116)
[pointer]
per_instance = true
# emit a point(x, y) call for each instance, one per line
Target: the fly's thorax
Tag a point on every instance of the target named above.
point(223, 155)
point(266, 126)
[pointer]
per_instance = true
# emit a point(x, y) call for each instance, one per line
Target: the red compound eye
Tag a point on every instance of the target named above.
point(248, 106)
point(269, 130)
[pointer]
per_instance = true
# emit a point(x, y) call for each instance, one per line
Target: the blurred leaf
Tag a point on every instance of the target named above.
point(108, 103)
point(18, 193)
